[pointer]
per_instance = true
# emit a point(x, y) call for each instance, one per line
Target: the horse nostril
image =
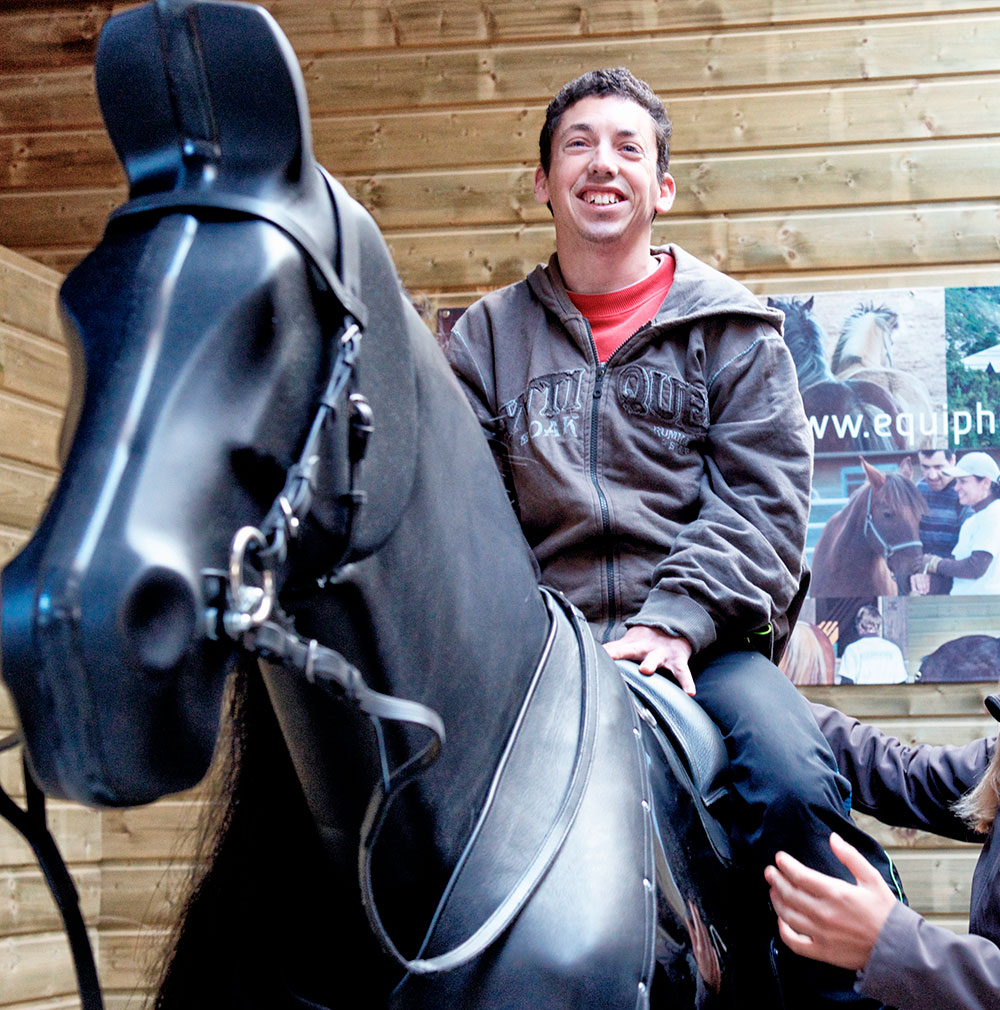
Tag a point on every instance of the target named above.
point(159, 619)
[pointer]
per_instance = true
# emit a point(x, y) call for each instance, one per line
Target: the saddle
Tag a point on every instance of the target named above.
point(683, 730)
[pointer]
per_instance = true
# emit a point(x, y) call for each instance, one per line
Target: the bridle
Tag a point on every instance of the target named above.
point(888, 550)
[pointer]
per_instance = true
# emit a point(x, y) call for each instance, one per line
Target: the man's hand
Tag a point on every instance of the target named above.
point(655, 650)
point(825, 918)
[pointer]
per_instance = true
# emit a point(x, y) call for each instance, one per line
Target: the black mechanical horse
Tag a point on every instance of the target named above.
point(267, 459)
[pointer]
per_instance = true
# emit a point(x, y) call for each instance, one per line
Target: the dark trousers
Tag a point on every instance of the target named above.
point(786, 794)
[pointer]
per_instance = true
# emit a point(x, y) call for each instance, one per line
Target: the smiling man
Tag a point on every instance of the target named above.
point(644, 411)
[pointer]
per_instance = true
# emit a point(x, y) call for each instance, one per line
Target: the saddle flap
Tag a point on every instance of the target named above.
point(185, 107)
point(696, 739)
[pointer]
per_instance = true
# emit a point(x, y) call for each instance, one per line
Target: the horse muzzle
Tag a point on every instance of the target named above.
point(104, 683)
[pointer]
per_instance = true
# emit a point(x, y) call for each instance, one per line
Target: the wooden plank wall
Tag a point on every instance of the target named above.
point(818, 144)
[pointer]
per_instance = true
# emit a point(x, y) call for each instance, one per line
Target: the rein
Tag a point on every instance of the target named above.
point(887, 549)
point(31, 824)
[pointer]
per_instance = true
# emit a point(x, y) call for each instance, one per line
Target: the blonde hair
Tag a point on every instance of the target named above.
point(978, 807)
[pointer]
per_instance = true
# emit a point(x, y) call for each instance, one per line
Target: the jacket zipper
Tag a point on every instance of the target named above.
point(609, 557)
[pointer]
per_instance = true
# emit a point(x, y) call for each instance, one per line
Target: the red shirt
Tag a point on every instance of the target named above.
point(615, 315)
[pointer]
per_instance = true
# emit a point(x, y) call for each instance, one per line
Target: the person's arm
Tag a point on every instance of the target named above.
point(972, 567)
point(904, 961)
point(905, 786)
point(738, 563)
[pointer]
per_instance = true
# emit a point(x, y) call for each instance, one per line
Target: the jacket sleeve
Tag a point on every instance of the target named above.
point(472, 369)
point(737, 565)
point(917, 966)
point(912, 787)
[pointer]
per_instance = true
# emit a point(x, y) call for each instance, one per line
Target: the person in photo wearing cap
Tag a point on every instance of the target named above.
point(975, 567)
point(900, 958)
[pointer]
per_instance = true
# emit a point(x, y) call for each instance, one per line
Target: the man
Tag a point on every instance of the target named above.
point(940, 526)
point(644, 411)
point(870, 658)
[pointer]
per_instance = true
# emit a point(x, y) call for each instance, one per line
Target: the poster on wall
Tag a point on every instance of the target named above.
point(902, 390)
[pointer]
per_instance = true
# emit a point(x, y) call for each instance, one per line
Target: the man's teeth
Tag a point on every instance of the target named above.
point(602, 198)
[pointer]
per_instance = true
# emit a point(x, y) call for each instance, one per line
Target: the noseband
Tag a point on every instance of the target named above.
point(888, 550)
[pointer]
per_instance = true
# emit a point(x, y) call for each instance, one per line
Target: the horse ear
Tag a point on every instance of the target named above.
point(809, 304)
point(875, 477)
point(906, 467)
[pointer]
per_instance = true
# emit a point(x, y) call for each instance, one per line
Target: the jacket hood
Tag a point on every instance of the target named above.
point(698, 291)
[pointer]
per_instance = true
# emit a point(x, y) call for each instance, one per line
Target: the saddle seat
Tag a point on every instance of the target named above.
point(691, 736)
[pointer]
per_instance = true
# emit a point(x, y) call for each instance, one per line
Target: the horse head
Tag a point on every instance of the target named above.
point(202, 331)
point(866, 338)
point(805, 339)
point(893, 507)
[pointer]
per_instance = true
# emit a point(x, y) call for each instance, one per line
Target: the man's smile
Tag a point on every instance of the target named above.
point(601, 198)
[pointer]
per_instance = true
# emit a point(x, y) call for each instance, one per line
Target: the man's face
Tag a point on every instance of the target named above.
point(932, 465)
point(602, 183)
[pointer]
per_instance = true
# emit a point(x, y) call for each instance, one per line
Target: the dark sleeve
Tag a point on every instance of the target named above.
point(468, 352)
point(911, 787)
point(918, 966)
point(737, 565)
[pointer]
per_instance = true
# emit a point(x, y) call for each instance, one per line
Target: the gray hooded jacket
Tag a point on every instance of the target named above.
point(916, 965)
point(667, 487)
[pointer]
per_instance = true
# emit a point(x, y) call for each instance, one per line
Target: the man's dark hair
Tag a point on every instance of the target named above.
point(614, 82)
point(949, 454)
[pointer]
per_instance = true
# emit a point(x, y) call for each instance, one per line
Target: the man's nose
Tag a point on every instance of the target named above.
point(602, 160)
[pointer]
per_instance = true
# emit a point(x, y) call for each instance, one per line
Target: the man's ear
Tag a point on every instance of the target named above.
point(541, 185)
point(668, 190)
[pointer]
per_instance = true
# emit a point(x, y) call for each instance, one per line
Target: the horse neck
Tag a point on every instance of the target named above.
point(446, 612)
point(806, 347)
point(452, 596)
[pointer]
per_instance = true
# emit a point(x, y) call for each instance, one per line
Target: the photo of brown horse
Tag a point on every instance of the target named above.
point(872, 546)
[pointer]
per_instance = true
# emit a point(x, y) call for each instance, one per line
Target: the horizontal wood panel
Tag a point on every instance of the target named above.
point(30, 295)
point(129, 959)
point(937, 883)
point(29, 432)
point(727, 184)
point(678, 62)
point(917, 730)
point(24, 490)
point(875, 702)
point(738, 244)
point(169, 830)
point(143, 894)
point(11, 542)
point(26, 905)
point(76, 829)
point(843, 177)
point(35, 967)
point(909, 838)
point(7, 718)
point(347, 84)
point(363, 145)
point(354, 145)
point(58, 1003)
point(39, 40)
point(33, 367)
